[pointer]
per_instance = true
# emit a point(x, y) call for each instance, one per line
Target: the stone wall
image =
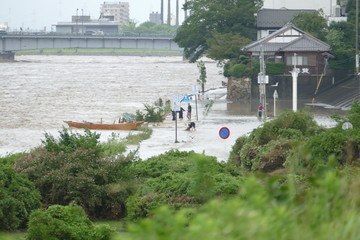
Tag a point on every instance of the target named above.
point(238, 89)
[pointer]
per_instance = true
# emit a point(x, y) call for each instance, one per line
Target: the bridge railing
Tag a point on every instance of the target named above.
point(122, 34)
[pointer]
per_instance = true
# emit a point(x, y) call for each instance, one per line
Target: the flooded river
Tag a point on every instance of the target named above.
point(37, 93)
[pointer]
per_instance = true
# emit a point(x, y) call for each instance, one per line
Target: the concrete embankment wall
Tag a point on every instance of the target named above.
point(308, 85)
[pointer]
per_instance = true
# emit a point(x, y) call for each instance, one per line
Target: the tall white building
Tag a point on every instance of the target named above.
point(116, 11)
point(329, 7)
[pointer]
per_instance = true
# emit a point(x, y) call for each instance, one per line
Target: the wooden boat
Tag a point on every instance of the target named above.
point(101, 126)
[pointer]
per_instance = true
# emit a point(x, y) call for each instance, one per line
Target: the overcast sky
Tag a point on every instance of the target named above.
point(37, 14)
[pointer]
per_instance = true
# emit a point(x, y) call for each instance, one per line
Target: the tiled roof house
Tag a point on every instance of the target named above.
point(270, 20)
point(292, 46)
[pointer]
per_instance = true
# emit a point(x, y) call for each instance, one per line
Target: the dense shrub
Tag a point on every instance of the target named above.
point(65, 222)
point(69, 142)
point(80, 175)
point(18, 197)
point(268, 146)
point(179, 179)
point(275, 68)
point(326, 210)
point(240, 70)
point(354, 114)
point(336, 144)
point(152, 114)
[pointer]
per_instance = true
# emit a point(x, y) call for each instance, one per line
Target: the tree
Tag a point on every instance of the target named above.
point(351, 11)
point(18, 197)
point(225, 46)
point(341, 35)
point(216, 16)
point(202, 77)
point(73, 169)
point(312, 22)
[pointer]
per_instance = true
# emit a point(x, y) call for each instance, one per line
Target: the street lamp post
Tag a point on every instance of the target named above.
point(295, 73)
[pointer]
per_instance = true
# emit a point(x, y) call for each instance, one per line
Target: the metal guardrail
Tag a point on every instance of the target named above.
point(124, 34)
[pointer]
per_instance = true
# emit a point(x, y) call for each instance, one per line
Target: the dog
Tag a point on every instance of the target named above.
point(191, 126)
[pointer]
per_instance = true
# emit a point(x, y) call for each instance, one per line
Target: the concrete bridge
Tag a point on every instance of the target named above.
point(9, 44)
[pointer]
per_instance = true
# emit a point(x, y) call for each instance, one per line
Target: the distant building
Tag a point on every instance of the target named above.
point(4, 26)
point(83, 24)
point(118, 11)
point(155, 17)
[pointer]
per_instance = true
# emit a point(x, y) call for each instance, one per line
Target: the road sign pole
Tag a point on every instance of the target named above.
point(176, 141)
point(175, 108)
point(197, 116)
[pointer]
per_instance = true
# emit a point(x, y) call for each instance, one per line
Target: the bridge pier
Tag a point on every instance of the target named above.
point(7, 56)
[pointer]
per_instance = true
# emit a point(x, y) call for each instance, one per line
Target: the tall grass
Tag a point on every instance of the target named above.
point(135, 139)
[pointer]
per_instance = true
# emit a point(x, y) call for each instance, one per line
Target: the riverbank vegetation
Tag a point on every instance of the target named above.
point(288, 179)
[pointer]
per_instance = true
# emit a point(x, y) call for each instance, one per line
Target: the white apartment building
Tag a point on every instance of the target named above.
point(116, 11)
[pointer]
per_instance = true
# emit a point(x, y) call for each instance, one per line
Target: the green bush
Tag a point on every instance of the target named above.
point(179, 179)
point(18, 197)
point(152, 114)
point(69, 142)
point(326, 210)
point(65, 222)
point(267, 147)
point(82, 175)
point(275, 68)
point(240, 70)
point(354, 114)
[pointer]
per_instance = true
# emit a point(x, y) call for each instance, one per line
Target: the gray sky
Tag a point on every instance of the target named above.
point(37, 14)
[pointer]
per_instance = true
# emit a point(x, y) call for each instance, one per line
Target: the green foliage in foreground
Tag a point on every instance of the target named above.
point(178, 179)
point(18, 197)
point(73, 169)
point(328, 209)
point(65, 222)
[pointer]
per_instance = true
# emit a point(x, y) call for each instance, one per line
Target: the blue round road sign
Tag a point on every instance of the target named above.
point(224, 132)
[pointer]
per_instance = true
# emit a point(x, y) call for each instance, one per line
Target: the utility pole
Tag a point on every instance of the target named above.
point(262, 81)
point(357, 36)
point(186, 16)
